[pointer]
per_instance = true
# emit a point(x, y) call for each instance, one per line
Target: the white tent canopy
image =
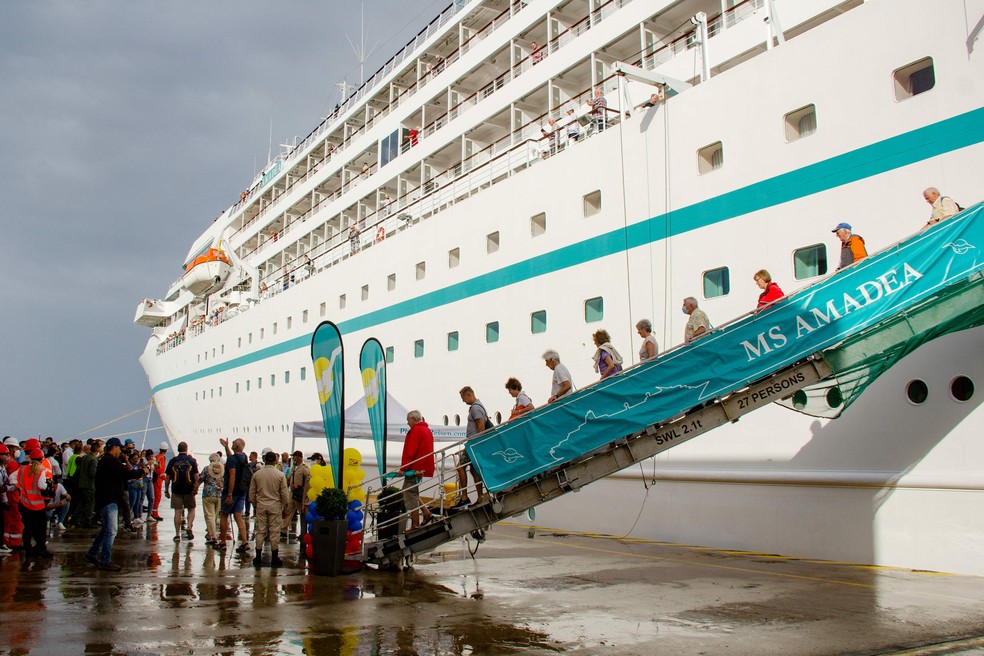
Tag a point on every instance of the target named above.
point(357, 424)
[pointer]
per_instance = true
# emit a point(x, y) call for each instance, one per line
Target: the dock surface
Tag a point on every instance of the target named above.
point(555, 593)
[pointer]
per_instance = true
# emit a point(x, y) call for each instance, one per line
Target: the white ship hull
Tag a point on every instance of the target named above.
point(888, 483)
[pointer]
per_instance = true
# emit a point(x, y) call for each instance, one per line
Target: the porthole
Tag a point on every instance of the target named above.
point(834, 397)
point(445, 420)
point(457, 420)
point(498, 417)
point(962, 388)
point(917, 392)
point(799, 399)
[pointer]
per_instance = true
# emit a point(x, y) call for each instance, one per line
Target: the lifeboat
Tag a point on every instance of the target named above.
point(206, 272)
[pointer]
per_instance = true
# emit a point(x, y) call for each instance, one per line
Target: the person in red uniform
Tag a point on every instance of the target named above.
point(770, 290)
point(418, 457)
point(161, 459)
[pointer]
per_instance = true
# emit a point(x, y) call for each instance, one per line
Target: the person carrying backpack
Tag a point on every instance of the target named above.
point(181, 478)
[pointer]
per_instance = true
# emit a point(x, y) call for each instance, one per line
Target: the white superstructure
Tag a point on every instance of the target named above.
point(439, 211)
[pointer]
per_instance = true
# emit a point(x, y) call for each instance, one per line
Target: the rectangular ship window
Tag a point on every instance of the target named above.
point(915, 78)
point(538, 322)
point(453, 341)
point(538, 224)
point(418, 348)
point(454, 257)
point(710, 158)
point(592, 203)
point(492, 332)
point(594, 309)
point(389, 355)
point(800, 123)
point(303, 373)
point(810, 261)
point(717, 282)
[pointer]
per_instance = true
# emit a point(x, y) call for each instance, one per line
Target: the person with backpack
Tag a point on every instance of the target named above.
point(235, 484)
point(943, 206)
point(181, 479)
point(478, 421)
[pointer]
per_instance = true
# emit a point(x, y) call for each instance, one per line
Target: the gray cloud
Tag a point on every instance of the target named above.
point(125, 129)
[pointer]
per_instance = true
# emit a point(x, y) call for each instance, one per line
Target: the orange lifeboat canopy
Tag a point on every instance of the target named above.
point(212, 255)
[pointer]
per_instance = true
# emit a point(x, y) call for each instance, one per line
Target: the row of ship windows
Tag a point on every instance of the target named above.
point(216, 392)
point(808, 262)
point(910, 80)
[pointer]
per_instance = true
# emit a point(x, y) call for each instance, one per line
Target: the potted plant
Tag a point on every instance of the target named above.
point(390, 509)
point(329, 533)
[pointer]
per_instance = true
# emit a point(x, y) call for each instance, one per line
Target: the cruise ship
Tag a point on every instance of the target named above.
point(524, 173)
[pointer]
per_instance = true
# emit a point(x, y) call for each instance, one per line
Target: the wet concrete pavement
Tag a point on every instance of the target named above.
point(551, 594)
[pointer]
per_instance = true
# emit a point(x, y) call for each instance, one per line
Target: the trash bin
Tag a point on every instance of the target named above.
point(328, 546)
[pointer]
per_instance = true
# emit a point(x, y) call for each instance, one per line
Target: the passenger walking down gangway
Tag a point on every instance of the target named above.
point(890, 303)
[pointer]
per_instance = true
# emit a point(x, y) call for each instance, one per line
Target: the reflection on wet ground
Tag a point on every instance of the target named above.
point(551, 594)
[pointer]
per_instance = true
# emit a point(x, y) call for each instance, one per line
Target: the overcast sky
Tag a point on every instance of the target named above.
point(126, 127)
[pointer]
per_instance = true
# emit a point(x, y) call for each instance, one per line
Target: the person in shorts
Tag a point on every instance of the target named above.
point(180, 486)
point(233, 498)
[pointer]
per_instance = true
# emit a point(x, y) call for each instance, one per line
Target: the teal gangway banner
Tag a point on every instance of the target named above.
point(734, 355)
point(329, 374)
point(372, 362)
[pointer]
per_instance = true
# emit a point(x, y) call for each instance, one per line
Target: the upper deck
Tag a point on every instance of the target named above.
point(486, 91)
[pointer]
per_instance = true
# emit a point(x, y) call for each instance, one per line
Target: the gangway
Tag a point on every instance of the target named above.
point(838, 334)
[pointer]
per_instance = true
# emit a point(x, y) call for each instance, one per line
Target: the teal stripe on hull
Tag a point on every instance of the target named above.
point(899, 151)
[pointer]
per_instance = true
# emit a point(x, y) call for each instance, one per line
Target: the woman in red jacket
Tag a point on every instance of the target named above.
point(770, 290)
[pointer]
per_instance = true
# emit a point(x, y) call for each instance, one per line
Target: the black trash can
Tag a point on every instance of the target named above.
point(388, 516)
point(328, 546)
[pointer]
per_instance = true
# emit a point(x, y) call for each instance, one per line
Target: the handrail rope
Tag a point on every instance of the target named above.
point(113, 421)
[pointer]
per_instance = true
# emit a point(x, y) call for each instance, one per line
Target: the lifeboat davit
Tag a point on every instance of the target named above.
point(206, 272)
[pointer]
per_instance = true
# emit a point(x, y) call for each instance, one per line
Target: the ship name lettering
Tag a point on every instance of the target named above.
point(867, 292)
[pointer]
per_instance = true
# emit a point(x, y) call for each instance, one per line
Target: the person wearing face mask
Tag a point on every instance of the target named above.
point(698, 324)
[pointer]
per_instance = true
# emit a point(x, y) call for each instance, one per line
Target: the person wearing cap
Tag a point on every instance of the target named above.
point(31, 482)
point(852, 246)
point(112, 475)
point(211, 479)
point(161, 459)
point(298, 483)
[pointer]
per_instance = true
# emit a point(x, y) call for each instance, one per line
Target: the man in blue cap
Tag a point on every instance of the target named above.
point(852, 246)
point(111, 476)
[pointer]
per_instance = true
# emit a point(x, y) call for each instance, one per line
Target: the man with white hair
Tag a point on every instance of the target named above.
point(561, 384)
point(698, 324)
point(943, 206)
point(418, 458)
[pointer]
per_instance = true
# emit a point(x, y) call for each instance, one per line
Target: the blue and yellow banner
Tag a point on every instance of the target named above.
point(329, 374)
point(746, 350)
point(372, 362)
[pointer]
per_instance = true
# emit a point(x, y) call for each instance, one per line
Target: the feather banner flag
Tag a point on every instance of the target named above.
point(329, 374)
point(373, 365)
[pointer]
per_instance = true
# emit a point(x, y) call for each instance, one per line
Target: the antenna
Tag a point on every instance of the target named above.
point(270, 147)
point(362, 51)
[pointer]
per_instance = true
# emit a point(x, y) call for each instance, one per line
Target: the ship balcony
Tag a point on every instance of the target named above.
point(151, 313)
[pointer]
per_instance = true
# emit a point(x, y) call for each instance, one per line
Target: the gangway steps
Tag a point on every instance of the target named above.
point(622, 453)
